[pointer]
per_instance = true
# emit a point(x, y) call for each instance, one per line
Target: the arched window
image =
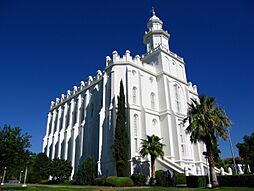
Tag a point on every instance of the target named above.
point(152, 97)
point(177, 97)
point(135, 125)
point(134, 95)
point(154, 123)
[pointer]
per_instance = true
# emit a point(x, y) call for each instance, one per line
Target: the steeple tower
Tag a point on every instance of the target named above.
point(156, 36)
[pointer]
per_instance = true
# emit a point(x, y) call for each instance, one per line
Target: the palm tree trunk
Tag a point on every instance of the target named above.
point(153, 166)
point(214, 180)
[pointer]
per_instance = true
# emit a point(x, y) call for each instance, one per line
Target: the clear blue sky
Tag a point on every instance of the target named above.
point(47, 47)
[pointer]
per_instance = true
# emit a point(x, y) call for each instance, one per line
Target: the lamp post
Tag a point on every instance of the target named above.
point(24, 185)
point(20, 176)
point(2, 183)
point(209, 185)
point(232, 152)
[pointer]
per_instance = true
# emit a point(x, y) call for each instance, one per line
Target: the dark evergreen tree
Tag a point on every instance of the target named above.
point(86, 172)
point(39, 169)
point(121, 141)
point(60, 169)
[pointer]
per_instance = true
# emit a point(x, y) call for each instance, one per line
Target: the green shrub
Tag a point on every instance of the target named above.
point(138, 179)
point(180, 178)
point(86, 172)
point(196, 181)
point(246, 180)
point(159, 176)
point(118, 181)
point(100, 181)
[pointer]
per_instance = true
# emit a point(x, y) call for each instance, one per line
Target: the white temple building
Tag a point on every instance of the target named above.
point(82, 122)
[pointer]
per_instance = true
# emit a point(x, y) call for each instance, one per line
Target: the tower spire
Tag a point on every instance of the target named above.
point(153, 11)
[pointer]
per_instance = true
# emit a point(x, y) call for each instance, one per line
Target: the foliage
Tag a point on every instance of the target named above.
point(86, 172)
point(196, 181)
point(100, 181)
point(60, 169)
point(207, 122)
point(245, 180)
point(159, 176)
point(224, 163)
point(120, 146)
point(153, 147)
point(246, 150)
point(181, 178)
point(14, 153)
point(138, 179)
point(163, 178)
point(118, 181)
point(39, 168)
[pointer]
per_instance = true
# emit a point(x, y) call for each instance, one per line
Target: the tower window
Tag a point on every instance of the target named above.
point(152, 97)
point(134, 95)
point(135, 125)
point(136, 144)
point(177, 98)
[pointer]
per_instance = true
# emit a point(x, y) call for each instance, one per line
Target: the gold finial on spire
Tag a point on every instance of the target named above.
point(153, 11)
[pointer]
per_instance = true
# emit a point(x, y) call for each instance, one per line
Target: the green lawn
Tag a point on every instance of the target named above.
point(97, 188)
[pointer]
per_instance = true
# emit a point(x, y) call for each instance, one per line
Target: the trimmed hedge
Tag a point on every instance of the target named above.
point(246, 180)
point(118, 181)
point(100, 181)
point(196, 181)
point(138, 179)
point(180, 178)
point(159, 176)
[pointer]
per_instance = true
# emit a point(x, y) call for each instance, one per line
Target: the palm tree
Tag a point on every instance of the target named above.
point(207, 122)
point(152, 146)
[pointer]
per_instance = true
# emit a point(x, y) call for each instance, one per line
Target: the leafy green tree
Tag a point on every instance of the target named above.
point(120, 146)
point(207, 122)
point(224, 163)
point(14, 153)
point(153, 147)
point(60, 169)
point(39, 168)
point(246, 150)
point(86, 172)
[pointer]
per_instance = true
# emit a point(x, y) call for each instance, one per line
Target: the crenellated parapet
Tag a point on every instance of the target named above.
point(192, 88)
point(77, 89)
point(116, 58)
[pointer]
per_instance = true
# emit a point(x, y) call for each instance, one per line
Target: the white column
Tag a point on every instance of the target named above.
point(71, 112)
point(102, 118)
point(52, 133)
point(57, 135)
point(82, 127)
point(69, 133)
point(79, 109)
point(48, 123)
point(75, 134)
point(45, 141)
point(53, 122)
point(66, 133)
point(171, 140)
